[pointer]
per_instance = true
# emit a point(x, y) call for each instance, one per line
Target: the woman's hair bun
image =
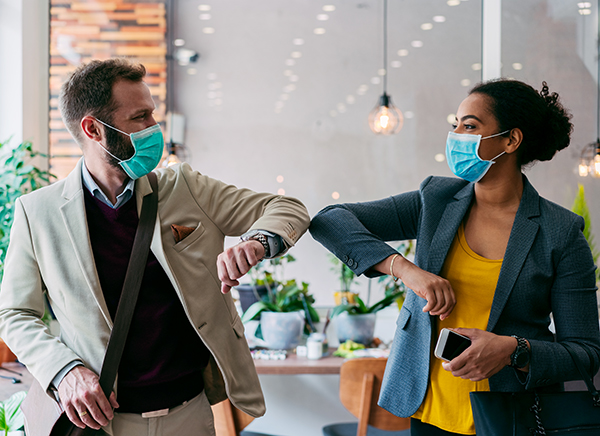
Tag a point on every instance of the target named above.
point(545, 123)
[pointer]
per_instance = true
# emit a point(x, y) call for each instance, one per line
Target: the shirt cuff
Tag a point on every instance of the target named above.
point(63, 372)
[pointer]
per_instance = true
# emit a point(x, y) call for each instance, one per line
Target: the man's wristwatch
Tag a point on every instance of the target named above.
point(520, 357)
point(260, 238)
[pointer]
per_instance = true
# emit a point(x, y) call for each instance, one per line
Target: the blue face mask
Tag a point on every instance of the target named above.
point(148, 145)
point(462, 154)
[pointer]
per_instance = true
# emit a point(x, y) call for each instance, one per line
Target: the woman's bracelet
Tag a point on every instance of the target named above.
point(392, 268)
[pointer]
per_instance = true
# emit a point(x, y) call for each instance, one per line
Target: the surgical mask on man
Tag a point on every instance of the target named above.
point(148, 145)
point(462, 154)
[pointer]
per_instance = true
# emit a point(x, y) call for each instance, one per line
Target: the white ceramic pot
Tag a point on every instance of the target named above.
point(281, 330)
point(358, 328)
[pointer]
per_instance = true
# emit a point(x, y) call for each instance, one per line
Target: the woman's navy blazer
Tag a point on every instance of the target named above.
point(547, 269)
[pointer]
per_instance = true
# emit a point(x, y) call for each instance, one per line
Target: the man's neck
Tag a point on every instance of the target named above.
point(110, 180)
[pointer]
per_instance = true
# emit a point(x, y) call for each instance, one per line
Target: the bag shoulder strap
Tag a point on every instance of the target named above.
point(131, 288)
point(585, 376)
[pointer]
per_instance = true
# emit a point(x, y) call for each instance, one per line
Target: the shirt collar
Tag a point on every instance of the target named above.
point(92, 186)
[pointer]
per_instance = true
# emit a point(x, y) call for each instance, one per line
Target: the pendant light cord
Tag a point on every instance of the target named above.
point(385, 46)
point(598, 77)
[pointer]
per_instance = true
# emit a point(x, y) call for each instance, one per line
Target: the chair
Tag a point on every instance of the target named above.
point(229, 421)
point(360, 383)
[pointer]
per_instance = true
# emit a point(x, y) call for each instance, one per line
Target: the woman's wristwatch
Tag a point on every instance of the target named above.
point(520, 357)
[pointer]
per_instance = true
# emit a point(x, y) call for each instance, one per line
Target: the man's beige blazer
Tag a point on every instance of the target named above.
point(50, 252)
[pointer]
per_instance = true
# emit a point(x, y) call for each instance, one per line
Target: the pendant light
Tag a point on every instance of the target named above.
point(385, 118)
point(589, 161)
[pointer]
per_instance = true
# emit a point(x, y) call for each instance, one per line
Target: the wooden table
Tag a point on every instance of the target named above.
point(300, 365)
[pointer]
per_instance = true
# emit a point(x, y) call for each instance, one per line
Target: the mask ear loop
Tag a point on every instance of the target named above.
point(493, 160)
point(104, 148)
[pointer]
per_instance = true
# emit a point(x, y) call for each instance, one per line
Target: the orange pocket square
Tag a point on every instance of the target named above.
point(181, 232)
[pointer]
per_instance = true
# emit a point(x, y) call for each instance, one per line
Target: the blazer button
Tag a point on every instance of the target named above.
point(350, 263)
point(345, 259)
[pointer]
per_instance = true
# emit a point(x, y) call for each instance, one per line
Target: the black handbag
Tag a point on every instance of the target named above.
point(44, 415)
point(537, 413)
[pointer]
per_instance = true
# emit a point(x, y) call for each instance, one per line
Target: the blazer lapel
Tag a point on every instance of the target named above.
point(73, 213)
point(447, 228)
point(521, 239)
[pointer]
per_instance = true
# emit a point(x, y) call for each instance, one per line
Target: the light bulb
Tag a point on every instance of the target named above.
point(584, 169)
point(385, 118)
point(171, 159)
point(595, 167)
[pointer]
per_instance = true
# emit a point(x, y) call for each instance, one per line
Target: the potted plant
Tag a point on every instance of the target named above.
point(17, 178)
point(284, 310)
point(356, 321)
point(347, 278)
point(11, 417)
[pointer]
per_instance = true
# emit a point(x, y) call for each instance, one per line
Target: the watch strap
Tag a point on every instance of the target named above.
point(522, 348)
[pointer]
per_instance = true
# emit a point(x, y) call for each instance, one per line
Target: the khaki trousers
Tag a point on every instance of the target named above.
point(192, 418)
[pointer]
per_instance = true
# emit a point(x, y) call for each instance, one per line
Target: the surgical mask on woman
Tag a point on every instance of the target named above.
point(148, 145)
point(462, 154)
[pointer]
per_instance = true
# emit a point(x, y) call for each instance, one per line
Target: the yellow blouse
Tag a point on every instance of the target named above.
point(473, 278)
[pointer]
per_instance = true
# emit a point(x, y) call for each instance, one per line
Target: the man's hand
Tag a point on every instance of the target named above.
point(83, 400)
point(236, 261)
point(486, 356)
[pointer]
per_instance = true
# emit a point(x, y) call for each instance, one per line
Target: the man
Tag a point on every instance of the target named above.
point(72, 241)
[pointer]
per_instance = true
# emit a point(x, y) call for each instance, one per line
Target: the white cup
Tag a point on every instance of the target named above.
point(314, 349)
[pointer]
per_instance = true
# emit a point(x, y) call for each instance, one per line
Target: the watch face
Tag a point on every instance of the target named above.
point(522, 358)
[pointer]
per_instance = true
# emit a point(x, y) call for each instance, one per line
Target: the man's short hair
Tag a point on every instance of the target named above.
point(89, 91)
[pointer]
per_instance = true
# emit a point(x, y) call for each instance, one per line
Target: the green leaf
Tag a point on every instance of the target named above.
point(385, 302)
point(340, 309)
point(11, 417)
point(361, 306)
point(256, 309)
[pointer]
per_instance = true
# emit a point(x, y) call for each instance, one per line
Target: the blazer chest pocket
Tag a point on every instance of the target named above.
point(403, 318)
point(190, 239)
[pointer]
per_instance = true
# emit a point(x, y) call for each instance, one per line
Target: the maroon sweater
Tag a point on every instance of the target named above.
point(164, 357)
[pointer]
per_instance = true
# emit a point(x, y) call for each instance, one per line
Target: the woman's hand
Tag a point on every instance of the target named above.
point(436, 290)
point(486, 356)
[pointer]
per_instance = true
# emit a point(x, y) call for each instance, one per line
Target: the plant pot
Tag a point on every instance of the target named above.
point(281, 330)
point(248, 296)
point(338, 297)
point(357, 328)
point(5, 354)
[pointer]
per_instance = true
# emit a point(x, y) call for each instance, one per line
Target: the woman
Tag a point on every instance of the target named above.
point(493, 261)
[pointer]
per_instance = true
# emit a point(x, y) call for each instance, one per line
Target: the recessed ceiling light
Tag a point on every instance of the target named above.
point(179, 42)
point(281, 191)
point(208, 30)
point(329, 8)
point(294, 78)
point(290, 62)
point(426, 26)
point(439, 157)
point(517, 66)
point(335, 195)
point(322, 17)
point(476, 66)
point(192, 71)
point(205, 16)
point(375, 80)
point(396, 64)
point(284, 97)
point(319, 31)
point(211, 76)
point(582, 5)
point(381, 71)
point(289, 88)
point(453, 2)
point(585, 11)
point(362, 89)
point(297, 41)
point(296, 54)
point(409, 114)
point(350, 99)
point(279, 104)
point(341, 107)
point(451, 118)
point(465, 82)
point(288, 73)
point(439, 19)
point(403, 52)
point(204, 7)
point(280, 179)
point(417, 44)
point(332, 113)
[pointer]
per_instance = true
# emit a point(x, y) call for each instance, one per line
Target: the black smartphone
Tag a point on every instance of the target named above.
point(450, 344)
